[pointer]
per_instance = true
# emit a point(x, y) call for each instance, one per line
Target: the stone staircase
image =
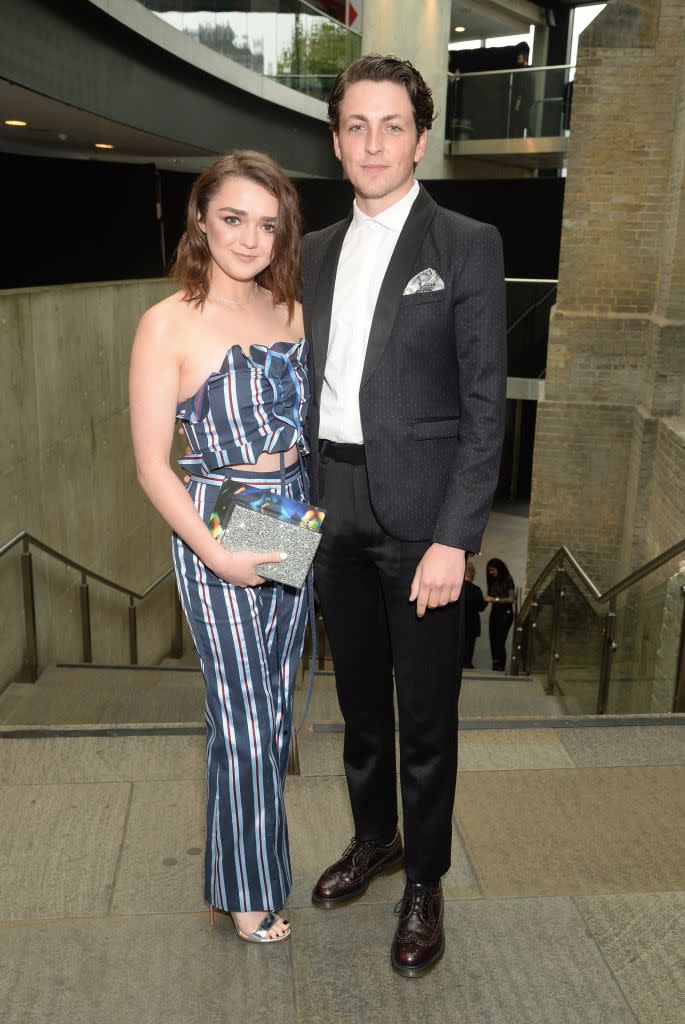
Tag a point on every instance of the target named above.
point(174, 692)
point(75, 695)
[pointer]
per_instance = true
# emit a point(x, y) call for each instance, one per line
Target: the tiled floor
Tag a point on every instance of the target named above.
point(565, 900)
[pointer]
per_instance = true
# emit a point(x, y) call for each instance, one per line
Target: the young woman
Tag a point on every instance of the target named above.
point(225, 355)
point(501, 593)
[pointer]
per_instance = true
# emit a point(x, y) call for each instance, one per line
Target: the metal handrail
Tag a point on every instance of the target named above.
point(531, 280)
point(531, 309)
point(26, 536)
point(451, 76)
point(27, 540)
point(565, 555)
point(564, 559)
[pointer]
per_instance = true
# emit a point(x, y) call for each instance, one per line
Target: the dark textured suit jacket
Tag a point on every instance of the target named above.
point(433, 387)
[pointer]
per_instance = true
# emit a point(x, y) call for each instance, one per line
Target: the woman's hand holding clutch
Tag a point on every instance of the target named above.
point(240, 567)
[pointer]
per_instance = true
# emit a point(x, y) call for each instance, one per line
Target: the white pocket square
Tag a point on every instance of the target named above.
point(427, 280)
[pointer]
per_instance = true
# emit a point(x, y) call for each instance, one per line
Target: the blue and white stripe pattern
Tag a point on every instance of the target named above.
point(253, 403)
point(249, 640)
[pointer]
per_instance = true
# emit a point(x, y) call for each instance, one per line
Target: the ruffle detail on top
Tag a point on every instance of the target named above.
point(285, 383)
point(255, 402)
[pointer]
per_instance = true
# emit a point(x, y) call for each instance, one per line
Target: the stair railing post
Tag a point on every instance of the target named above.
point(86, 636)
point(294, 756)
point(532, 630)
point(132, 631)
point(554, 641)
point(321, 643)
point(608, 649)
point(177, 647)
point(31, 656)
point(515, 649)
point(679, 692)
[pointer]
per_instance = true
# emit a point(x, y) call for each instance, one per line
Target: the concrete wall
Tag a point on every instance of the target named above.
point(67, 472)
point(391, 28)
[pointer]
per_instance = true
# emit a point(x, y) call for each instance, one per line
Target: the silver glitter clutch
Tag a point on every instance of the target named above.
point(252, 519)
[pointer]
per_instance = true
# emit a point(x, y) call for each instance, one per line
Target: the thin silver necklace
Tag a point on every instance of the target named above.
point(232, 302)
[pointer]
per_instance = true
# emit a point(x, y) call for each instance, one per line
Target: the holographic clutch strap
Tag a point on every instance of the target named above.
point(249, 518)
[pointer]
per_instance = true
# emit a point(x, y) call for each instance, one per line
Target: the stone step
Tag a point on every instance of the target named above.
point(114, 679)
point(67, 695)
point(76, 708)
point(74, 696)
point(487, 695)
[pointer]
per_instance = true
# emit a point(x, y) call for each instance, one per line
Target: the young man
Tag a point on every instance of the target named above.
point(404, 311)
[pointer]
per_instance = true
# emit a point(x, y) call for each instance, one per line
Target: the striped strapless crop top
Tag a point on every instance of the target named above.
point(253, 403)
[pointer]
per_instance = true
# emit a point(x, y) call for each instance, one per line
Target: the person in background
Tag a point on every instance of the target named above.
point(501, 593)
point(474, 604)
point(521, 95)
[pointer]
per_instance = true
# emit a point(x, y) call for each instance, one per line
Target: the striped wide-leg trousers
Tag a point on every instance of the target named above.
point(249, 642)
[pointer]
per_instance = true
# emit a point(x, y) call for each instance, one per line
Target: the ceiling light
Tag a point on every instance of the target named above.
point(17, 124)
point(459, 28)
point(104, 145)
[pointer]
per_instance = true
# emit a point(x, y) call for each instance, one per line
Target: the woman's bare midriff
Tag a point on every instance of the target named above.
point(269, 462)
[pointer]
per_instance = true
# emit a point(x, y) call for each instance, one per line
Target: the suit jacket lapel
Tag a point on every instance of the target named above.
point(395, 280)
point(323, 302)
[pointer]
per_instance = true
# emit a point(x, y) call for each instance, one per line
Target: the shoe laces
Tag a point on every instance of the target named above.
point(416, 899)
point(358, 848)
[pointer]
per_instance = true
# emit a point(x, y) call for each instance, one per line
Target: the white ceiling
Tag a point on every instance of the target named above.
point(482, 25)
point(49, 119)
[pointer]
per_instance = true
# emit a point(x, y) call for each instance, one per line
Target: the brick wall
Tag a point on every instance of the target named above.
point(609, 465)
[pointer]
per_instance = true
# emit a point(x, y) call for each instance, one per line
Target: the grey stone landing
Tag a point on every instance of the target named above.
point(565, 901)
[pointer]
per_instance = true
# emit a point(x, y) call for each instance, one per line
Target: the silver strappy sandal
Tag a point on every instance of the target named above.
point(261, 932)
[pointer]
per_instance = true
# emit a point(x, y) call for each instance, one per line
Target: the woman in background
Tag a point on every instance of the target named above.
point(501, 593)
point(225, 356)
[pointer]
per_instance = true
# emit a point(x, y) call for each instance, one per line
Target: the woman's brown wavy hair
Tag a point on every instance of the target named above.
point(192, 263)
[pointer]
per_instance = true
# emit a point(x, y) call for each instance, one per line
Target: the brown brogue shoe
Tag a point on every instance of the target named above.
point(420, 937)
point(350, 876)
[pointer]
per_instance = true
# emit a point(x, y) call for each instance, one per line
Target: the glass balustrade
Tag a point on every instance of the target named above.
point(579, 648)
point(291, 42)
point(539, 635)
point(513, 104)
point(619, 655)
point(644, 663)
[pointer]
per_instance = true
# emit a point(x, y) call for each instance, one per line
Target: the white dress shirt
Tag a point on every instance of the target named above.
point(364, 258)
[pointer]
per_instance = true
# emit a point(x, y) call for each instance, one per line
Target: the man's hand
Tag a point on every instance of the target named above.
point(438, 578)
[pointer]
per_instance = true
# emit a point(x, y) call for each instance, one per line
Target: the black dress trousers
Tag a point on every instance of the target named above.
point(363, 578)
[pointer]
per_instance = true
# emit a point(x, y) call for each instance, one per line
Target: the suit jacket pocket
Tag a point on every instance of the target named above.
point(418, 298)
point(445, 426)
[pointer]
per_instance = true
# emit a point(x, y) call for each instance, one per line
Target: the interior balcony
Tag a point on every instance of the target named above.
point(518, 117)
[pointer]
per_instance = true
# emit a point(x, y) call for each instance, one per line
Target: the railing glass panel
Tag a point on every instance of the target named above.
point(644, 662)
point(287, 40)
point(515, 104)
point(539, 639)
point(579, 648)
